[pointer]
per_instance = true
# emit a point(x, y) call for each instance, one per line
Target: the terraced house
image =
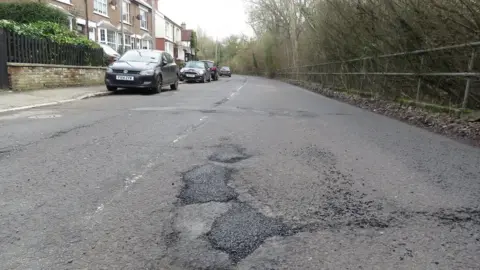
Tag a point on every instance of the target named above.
point(104, 21)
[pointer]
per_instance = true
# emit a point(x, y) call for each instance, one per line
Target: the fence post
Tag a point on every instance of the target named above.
point(419, 82)
point(3, 60)
point(469, 79)
point(364, 70)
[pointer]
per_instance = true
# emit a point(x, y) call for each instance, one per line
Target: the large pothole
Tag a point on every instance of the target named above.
point(242, 229)
point(207, 183)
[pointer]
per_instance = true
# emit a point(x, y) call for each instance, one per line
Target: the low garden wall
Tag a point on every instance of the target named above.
point(26, 76)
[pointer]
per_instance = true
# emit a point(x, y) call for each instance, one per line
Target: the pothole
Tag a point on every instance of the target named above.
point(242, 230)
point(229, 153)
point(207, 183)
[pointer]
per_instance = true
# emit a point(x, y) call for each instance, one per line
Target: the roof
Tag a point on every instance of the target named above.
point(172, 22)
point(186, 35)
point(144, 3)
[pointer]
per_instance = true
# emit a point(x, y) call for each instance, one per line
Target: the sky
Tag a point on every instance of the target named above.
point(218, 18)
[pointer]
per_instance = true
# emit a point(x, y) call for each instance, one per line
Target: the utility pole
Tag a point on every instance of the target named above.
point(122, 43)
point(216, 49)
point(87, 30)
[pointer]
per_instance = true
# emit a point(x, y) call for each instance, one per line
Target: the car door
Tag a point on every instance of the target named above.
point(208, 71)
point(166, 69)
point(174, 68)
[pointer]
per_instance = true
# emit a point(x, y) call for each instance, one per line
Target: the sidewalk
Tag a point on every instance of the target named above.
point(13, 101)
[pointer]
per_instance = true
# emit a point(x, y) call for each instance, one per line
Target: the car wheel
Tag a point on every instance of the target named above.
point(204, 79)
point(209, 78)
point(111, 88)
point(158, 86)
point(174, 86)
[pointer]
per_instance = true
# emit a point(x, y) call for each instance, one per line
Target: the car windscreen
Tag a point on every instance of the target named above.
point(140, 56)
point(226, 68)
point(195, 65)
point(210, 64)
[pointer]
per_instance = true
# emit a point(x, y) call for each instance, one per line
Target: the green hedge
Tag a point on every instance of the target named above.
point(48, 30)
point(30, 12)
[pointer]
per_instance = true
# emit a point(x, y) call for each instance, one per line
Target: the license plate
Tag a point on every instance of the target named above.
point(125, 78)
point(190, 75)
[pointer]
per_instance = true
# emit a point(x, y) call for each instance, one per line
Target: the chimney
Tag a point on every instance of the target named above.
point(184, 26)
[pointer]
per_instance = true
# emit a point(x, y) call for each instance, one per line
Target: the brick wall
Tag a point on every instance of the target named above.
point(24, 76)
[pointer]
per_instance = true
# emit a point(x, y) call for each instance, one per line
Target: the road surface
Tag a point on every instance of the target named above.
point(243, 173)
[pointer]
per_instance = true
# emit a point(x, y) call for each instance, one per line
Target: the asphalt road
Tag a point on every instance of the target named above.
point(242, 173)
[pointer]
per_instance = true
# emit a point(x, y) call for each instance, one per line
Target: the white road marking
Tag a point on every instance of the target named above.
point(181, 136)
point(128, 182)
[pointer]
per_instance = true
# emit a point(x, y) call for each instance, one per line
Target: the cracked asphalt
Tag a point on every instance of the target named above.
point(243, 173)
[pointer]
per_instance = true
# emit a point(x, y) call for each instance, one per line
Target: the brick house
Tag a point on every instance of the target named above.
point(104, 21)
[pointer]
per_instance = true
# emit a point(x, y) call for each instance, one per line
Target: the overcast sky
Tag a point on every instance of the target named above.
point(217, 17)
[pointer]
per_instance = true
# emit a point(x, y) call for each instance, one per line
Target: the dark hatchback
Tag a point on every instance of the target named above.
point(196, 71)
point(225, 71)
point(143, 69)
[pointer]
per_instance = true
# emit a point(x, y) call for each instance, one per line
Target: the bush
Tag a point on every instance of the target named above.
point(48, 30)
point(30, 12)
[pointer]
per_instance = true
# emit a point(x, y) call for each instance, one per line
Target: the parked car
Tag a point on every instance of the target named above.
point(225, 71)
point(110, 54)
point(213, 69)
point(197, 71)
point(143, 69)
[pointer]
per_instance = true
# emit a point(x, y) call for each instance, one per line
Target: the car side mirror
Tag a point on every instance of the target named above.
point(164, 62)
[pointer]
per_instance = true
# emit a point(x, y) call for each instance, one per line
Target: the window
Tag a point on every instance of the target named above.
point(81, 29)
point(167, 30)
point(146, 44)
point(143, 19)
point(127, 43)
point(100, 7)
point(126, 12)
point(177, 35)
point(64, 1)
point(107, 37)
point(169, 58)
point(91, 34)
point(111, 39)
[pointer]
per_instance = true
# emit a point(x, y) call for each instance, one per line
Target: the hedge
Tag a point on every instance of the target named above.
point(30, 12)
point(48, 30)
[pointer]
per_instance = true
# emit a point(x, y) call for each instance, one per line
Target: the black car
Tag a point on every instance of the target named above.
point(196, 71)
point(225, 71)
point(213, 69)
point(143, 69)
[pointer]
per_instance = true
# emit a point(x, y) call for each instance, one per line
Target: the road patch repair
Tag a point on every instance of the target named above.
point(212, 229)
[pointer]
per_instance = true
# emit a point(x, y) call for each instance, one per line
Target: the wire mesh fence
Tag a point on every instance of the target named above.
point(447, 76)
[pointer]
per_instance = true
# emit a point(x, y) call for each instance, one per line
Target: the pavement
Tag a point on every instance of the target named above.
point(14, 101)
point(242, 173)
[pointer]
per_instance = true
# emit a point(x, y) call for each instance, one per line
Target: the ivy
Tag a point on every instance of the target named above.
point(48, 30)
